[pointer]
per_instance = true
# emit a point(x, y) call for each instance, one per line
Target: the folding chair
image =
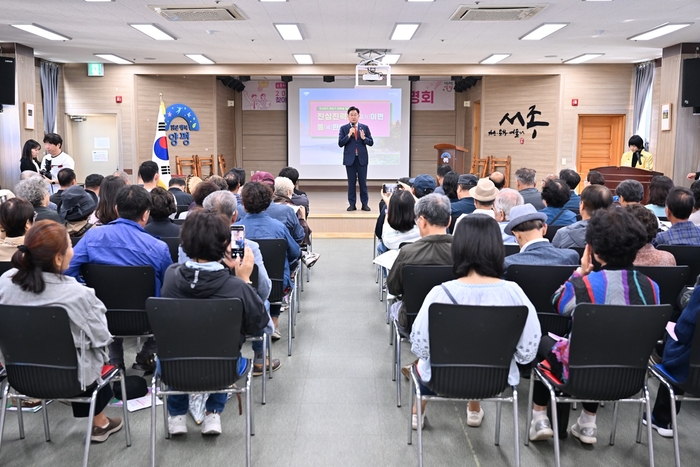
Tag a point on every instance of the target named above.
point(511, 248)
point(686, 255)
point(37, 371)
point(418, 280)
point(552, 231)
point(609, 349)
point(222, 164)
point(205, 161)
point(174, 246)
point(670, 279)
point(201, 359)
point(480, 166)
point(5, 266)
point(500, 163)
point(468, 363)
point(190, 162)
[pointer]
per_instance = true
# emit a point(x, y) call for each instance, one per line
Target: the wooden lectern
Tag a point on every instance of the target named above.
point(614, 175)
point(456, 156)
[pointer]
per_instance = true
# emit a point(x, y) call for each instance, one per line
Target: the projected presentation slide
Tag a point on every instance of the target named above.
point(317, 111)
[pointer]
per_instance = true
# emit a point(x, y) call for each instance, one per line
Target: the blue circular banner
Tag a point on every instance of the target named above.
point(181, 110)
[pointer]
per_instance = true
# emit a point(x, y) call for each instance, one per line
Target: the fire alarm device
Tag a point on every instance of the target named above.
point(118, 99)
point(574, 102)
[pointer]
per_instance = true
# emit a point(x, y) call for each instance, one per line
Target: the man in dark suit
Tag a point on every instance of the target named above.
point(176, 186)
point(354, 139)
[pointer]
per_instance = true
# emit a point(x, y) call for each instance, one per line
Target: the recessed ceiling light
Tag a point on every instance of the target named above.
point(114, 58)
point(41, 31)
point(420, 1)
point(666, 28)
point(582, 58)
point(627, 20)
point(304, 59)
point(289, 32)
point(153, 31)
point(543, 31)
point(201, 59)
point(495, 58)
point(280, 1)
point(597, 0)
point(99, 1)
point(391, 59)
point(404, 31)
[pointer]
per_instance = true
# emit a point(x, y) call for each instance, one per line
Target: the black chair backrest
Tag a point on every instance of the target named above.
point(686, 255)
point(173, 245)
point(417, 282)
point(33, 367)
point(471, 348)
point(124, 291)
point(274, 253)
point(511, 248)
point(181, 208)
point(179, 221)
point(198, 341)
point(578, 250)
point(253, 276)
point(670, 279)
point(610, 347)
point(5, 266)
point(552, 231)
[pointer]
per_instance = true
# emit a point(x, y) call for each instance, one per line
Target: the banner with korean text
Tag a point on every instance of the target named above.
point(265, 95)
point(433, 95)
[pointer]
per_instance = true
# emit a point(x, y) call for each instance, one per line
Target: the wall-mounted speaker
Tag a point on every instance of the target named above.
point(7, 81)
point(690, 86)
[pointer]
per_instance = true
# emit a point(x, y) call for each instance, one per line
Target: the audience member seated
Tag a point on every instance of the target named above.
point(219, 181)
point(124, 242)
point(442, 170)
point(528, 227)
point(66, 178)
point(34, 190)
point(555, 194)
point(498, 179)
point(433, 248)
point(149, 175)
point(207, 241)
point(572, 179)
point(106, 210)
point(285, 214)
point(124, 176)
point(241, 180)
point(76, 208)
point(484, 194)
point(37, 280)
point(695, 216)
point(593, 197)
point(594, 178)
point(449, 185)
point(284, 189)
point(162, 207)
point(176, 186)
point(234, 186)
point(202, 190)
point(659, 187)
point(298, 197)
point(92, 186)
point(399, 222)
point(630, 192)
point(16, 217)
point(679, 206)
point(259, 225)
point(421, 185)
point(613, 238)
point(465, 202)
point(676, 363)
point(648, 255)
point(525, 183)
point(477, 255)
point(506, 200)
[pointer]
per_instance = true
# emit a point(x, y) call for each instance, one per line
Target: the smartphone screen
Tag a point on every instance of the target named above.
point(237, 241)
point(390, 187)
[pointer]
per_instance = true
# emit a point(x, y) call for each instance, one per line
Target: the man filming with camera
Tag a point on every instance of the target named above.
point(55, 160)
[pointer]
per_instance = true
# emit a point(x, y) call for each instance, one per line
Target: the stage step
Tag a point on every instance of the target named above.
point(355, 224)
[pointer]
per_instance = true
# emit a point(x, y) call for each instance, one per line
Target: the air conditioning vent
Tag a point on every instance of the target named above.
point(495, 13)
point(199, 12)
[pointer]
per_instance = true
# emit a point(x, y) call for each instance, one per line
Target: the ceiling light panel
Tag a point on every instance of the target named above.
point(391, 59)
point(404, 31)
point(201, 59)
point(41, 31)
point(153, 31)
point(289, 32)
point(304, 59)
point(495, 58)
point(582, 58)
point(659, 31)
point(543, 31)
point(114, 58)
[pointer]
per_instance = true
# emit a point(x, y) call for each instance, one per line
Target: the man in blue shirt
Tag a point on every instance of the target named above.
point(679, 207)
point(124, 242)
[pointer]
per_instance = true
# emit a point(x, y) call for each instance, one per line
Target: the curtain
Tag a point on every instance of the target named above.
point(643, 78)
point(49, 91)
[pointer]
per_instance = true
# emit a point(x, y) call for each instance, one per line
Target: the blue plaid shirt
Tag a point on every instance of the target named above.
point(680, 233)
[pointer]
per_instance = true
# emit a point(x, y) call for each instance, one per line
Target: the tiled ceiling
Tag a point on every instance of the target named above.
point(333, 29)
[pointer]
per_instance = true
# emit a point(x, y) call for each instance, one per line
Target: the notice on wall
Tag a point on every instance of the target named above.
point(100, 155)
point(265, 95)
point(101, 142)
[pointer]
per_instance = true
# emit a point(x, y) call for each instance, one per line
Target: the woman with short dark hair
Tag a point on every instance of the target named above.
point(16, 217)
point(659, 187)
point(477, 253)
point(555, 194)
point(400, 220)
point(647, 254)
point(37, 280)
point(162, 207)
point(106, 210)
point(613, 238)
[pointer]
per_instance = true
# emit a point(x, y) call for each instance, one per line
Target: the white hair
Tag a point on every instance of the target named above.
point(507, 198)
point(283, 186)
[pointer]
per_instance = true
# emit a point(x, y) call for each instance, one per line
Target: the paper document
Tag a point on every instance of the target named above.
point(132, 405)
point(671, 330)
point(387, 259)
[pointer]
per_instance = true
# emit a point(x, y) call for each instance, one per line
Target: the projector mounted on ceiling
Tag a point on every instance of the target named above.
point(372, 69)
point(198, 12)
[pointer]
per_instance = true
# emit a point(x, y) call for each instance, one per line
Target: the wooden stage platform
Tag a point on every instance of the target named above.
point(329, 218)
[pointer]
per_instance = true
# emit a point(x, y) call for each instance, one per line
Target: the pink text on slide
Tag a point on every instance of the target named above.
point(326, 117)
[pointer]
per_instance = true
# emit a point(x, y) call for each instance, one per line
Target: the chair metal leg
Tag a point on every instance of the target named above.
point(639, 423)
point(650, 440)
point(153, 420)
point(45, 416)
point(387, 310)
point(125, 410)
point(248, 424)
point(674, 427)
point(419, 412)
point(410, 413)
point(516, 434)
point(165, 414)
point(497, 438)
point(267, 367)
point(3, 411)
point(528, 414)
point(91, 416)
point(289, 333)
point(397, 352)
point(555, 423)
point(20, 417)
point(614, 424)
point(269, 354)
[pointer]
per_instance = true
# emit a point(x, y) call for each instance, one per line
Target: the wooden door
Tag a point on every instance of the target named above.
point(600, 142)
point(476, 132)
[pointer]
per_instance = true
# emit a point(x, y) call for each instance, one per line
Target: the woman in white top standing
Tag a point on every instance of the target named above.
point(400, 221)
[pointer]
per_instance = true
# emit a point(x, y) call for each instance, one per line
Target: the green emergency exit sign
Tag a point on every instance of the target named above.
point(96, 69)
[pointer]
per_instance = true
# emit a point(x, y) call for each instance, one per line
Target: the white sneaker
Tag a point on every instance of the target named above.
point(276, 335)
point(475, 418)
point(177, 425)
point(414, 421)
point(211, 424)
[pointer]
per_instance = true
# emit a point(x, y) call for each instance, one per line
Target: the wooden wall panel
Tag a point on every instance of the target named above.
point(433, 122)
point(264, 140)
point(197, 92)
point(225, 135)
point(428, 128)
point(670, 92)
point(26, 88)
point(472, 95)
point(264, 122)
point(655, 128)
